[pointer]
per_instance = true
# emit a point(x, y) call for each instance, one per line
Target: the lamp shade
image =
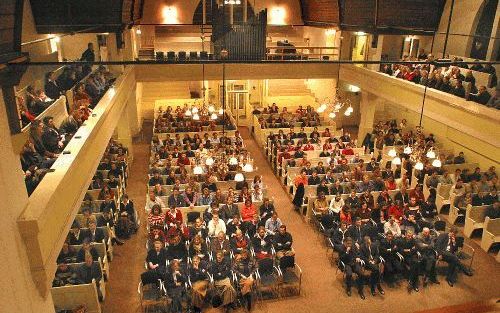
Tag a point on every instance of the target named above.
point(248, 168)
point(419, 166)
point(195, 110)
point(213, 116)
point(332, 115)
point(188, 112)
point(233, 161)
point(196, 117)
point(407, 150)
point(211, 108)
point(396, 161)
point(436, 163)
point(392, 153)
point(197, 170)
point(239, 177)
point(221, 111)
point(209, 161)
point(431, 154)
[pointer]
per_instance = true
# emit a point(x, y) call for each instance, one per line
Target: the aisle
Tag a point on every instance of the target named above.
point(128, 261)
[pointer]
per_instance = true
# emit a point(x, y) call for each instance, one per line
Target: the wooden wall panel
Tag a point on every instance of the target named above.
point(320, 11)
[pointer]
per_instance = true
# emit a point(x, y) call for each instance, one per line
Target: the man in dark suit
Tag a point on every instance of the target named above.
point(425, 244)
point(88, 271)
point(94, 234)
point(446, 247)
point(88, 56)
point(52, 90)
point(408, 249)
point(356, 232)
point(175, 199)
point(338, 236)
point(156, 259)
point(76, 236)
point(371, 256)
point(50, 135)
point(229, 210)
point(349, 258)
point(388, 250)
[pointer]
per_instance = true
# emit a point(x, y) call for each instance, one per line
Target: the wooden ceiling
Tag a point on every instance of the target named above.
point(382, 16)
point(63, 16)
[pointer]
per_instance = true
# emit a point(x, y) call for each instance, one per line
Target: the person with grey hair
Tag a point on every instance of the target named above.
point(425, 245)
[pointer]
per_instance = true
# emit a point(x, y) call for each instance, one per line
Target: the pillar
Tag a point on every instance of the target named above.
point(494, 47)
point(19, 292)
point(367, 108)
point(115, 53)
point(245, 11)
point(129, 124)
point(231, 14)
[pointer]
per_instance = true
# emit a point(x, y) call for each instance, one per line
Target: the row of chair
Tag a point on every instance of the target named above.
point(183, 56)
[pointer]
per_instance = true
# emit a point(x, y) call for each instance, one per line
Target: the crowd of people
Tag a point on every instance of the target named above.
point(449, 79)
point(88, 88)
point(216, 251)
point(46, 141)
point(109, 215)
point(271, 117)
point(378, 235)
point(181, 119)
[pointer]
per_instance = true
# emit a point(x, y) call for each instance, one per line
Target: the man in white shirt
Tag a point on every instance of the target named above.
point(273, 224)
point(216, 225)
point(153, 200)
point(392, 226)
point(336, 204)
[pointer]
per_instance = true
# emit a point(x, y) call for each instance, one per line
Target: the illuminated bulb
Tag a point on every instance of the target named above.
point(436, 163)
point(392, 153)
point(213, 116)
point(248, 168)
point(195, 110)
point(319, 110)
point(407, 150)
point(221, 111)
point(350, 109)
point(197, 170)
point(431, 154)
point(138, 32)
point(396, 161)
point(196, 117)
point(239, 177)
point(332, 115)
point(209, 161)
point(211, 109)
point(347, 113)
point(419, 166)
point(233, 161)
point(188, 112)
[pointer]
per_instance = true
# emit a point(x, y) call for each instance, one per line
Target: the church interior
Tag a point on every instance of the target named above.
point(249, 156)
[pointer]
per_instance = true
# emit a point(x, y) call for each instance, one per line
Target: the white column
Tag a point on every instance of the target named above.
point(367, 108)
point(19, 292)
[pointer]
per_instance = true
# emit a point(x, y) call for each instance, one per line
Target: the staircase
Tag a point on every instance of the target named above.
point(152, 93)
point(291, 92)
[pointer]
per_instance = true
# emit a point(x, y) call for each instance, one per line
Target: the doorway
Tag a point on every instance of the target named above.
point(358, 47)
point(237, 101)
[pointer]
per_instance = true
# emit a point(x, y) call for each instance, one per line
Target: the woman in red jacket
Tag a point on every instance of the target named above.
point(248, 211)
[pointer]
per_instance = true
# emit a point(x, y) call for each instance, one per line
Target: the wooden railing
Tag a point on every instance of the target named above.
point(301, 53)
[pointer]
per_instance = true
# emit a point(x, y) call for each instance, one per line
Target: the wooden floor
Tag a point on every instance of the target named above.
point(322, 289)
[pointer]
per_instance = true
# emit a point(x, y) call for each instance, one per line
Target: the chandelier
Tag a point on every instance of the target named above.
point(333, 106)
point(416, 152)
